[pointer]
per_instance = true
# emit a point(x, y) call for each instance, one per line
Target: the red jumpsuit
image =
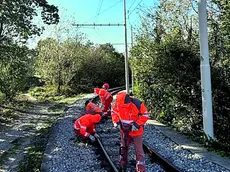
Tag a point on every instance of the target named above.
point(126, 111)
point(106, 99)
point(85, 125)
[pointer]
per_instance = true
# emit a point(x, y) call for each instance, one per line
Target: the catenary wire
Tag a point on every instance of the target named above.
point(132, 5)
point(135, 7)
point(99, 9)
point(104, 11)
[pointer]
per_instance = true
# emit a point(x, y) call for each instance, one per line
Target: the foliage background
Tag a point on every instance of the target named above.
point(166, 67)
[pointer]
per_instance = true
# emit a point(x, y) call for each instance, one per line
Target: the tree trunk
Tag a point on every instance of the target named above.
point(59, 80)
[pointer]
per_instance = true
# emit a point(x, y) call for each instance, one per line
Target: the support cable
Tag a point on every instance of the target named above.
point(99, 9)
point(105, 10)
point(97, 31)
point(135, 7)
point(131, 5)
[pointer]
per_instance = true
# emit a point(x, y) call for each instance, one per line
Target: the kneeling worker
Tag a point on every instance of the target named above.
point(85, 126)
point(91, 108)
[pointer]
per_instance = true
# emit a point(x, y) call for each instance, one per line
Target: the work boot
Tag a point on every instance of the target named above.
point(109, 113)
point(140, 168)
point(122, 169)
point(123, 162)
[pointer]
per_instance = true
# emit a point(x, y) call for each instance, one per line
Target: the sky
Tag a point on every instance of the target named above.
point(100, 12)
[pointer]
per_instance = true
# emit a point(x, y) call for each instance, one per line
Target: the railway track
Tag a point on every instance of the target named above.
point(109, 145)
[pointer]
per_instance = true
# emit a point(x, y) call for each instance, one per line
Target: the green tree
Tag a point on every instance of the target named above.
point(58, 63)
point(14, 70)
point(166, 66)
point(16, 18)
point(16, 26)
point(78, 66)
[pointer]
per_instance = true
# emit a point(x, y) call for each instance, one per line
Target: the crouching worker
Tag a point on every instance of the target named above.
point(129, 115)
point(106, 99)
point(91, 108)
point(85, 126)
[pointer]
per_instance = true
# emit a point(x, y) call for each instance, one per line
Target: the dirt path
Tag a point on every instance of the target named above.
point(17, 139)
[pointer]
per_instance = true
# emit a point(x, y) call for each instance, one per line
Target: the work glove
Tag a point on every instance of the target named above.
point(116, 125)
point(92, 138)
point(96, 135)
point(135, 127)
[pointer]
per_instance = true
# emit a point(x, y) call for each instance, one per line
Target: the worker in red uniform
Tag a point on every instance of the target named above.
point(130, 115)
point(106, 99)
point(92, 108)
point(85, 126)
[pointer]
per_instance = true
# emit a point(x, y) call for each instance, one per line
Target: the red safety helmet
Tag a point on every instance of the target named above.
point(106, 86)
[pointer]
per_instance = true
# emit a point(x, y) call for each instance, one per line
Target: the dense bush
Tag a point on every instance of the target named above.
point(166, 63)
point(74, 67)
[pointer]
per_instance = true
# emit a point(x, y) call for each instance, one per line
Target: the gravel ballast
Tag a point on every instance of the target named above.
point(64, 154)
point(182, 158)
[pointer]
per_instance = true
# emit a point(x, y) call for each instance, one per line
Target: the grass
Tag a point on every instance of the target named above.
point(24, 105)
point(7, 116)
point(35, 152)
point(58, 108)
point(4, 157)
point(70, 100)
point(49, 94)
point(21, 102)
point(61, 104)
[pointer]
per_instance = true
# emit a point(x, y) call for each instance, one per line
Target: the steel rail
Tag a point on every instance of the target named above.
point(166, 164)
point(163, 162)
point(107, 156)
point(94, 100)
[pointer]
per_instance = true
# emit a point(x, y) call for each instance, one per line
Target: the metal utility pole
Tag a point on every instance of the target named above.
point(126, 53)
point(131, 35)
point(132, 69)
point(205, 71)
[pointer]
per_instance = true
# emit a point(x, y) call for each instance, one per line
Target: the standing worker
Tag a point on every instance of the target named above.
point(106, 99)
point(130, 114)
point(85, 126)
point(92, 108)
